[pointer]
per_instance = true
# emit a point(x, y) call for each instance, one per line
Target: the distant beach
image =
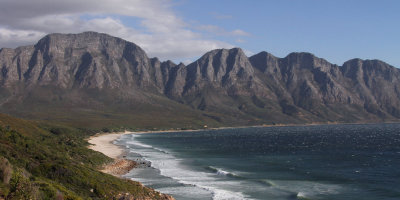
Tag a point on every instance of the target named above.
point(103, 143)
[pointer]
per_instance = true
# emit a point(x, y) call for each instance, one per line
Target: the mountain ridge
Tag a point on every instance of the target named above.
point(223, 86)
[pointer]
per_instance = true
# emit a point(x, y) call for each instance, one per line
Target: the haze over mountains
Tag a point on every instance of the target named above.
point(100, 77)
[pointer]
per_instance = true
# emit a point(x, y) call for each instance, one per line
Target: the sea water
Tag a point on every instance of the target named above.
point(298, 162)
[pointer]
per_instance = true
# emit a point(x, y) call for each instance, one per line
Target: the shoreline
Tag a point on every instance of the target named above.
point(103, 143)
point(251, 126)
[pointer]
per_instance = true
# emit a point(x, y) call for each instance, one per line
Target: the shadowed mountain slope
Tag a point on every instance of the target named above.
point(112, 81)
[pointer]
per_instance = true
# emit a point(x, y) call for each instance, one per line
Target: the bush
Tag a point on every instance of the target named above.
point(21, 187)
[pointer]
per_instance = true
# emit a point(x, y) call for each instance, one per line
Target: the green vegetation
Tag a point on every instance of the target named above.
point(109, 111)
point(42, 161)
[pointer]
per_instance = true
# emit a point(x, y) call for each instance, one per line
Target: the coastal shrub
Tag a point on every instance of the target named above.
point(59, 164)
point(21, 187)
point(57, 131)
point(4, 190)
point(106, 130)
point(59, 196)
point(47, 191)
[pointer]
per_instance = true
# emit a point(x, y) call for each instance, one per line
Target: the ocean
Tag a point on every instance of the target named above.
point(295, 162)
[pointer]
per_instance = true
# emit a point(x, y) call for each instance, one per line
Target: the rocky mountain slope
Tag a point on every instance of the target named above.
point(94, 74)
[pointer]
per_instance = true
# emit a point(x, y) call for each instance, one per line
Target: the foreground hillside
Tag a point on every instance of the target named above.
point(49, 162)
point(91, 79)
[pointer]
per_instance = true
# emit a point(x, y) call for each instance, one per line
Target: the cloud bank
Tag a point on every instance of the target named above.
point(159, 30)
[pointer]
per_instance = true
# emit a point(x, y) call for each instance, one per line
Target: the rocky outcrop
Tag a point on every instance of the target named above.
point(5, 170)
point(119, 167)
point(153, 195)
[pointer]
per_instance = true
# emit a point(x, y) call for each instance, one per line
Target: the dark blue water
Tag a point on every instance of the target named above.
point(304, 162)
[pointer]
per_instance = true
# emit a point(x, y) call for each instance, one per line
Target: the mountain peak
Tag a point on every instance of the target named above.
point(300, 55)
point(80, 40)
point(370, 61)
point(265, 54)
point(264, 61)
point(83, 34)
point(352, 67)
point(232, 51)
point(236, 50)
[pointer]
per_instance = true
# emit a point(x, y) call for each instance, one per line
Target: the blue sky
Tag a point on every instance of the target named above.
point(335, 30)
point(183, 30)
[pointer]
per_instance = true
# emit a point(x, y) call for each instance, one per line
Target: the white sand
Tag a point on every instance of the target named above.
point(104, 143)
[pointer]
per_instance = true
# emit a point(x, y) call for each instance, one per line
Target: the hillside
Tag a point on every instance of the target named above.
point(41, 161)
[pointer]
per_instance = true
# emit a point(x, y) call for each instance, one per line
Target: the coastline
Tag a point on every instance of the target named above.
point(108, 139)
point(103, 143)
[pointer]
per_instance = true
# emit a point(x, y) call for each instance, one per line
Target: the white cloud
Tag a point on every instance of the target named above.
point(13, 38)
point(239, 32)
point(220, 31)
point(161, 33)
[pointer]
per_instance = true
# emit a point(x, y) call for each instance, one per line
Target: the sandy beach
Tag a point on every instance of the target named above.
point(104, 143)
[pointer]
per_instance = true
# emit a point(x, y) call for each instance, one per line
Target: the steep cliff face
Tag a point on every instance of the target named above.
point(375, 86)
point(102, 71)
point(87, 60)
point(225, 70)
point(302, 81)
point(160, 72)
point(217, 80)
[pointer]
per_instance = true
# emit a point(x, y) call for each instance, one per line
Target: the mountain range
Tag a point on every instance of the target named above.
point(94, 79)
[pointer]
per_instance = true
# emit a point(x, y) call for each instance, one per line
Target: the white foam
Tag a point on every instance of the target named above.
point(301, 194)
point(186, 191)
point(172, 167)
point(307, 189)
point(140, 144)
point(219, 194)
point(213, 184)
point(223, 172)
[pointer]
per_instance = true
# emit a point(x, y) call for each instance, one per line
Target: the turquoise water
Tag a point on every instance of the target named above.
point(304, 162)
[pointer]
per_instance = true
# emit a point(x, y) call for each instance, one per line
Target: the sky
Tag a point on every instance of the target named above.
point(183, 30)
